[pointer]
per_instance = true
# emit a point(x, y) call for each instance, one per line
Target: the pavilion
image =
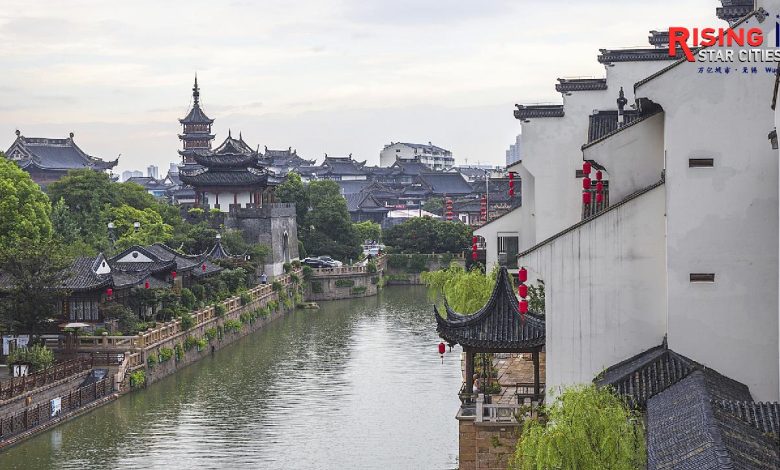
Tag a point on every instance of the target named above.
point(498, 327)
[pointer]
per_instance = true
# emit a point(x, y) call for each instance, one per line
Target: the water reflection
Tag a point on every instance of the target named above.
point(356, 384)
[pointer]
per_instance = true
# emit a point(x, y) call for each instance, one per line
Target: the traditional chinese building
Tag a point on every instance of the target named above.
point(47, 160)
point(196, 129)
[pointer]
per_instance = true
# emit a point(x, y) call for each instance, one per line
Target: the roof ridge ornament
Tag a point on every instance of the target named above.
point(196, 91)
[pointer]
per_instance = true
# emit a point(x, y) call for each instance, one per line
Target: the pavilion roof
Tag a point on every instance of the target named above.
point(496, 327)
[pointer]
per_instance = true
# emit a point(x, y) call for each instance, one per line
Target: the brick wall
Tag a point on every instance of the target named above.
point(486, 446)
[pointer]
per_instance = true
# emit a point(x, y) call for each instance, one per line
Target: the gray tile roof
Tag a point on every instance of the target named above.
point(53, 154)
point(524, 112)
point(568, 85)
point(451, 184)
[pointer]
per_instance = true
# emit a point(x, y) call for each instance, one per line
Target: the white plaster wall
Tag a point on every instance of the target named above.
point(226, 199)
point(722, 220)
point(626, 74)
point(520, 221)
point(604, 290)
point(634, 157)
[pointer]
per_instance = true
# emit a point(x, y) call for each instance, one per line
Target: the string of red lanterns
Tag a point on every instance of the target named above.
point(522, 291)
point(599, 187)
point(483, 208)
point(474, 248)
point(449, 209)
point(586, 167)
point(511, 184)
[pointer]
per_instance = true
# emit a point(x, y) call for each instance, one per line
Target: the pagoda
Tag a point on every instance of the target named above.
point(196, 129)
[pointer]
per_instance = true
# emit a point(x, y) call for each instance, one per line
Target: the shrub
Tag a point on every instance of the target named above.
point(316, 287)
point(417, 264)
point(245, 298)
point(344, 283)
point(211, 333)
point(397, 261)
point(165, 314)
point(187, 321)
point(273, 305)
point(371, 267)
point(99, 331)
point(127, 320)
point(152, 359)
point(294, 278)
point(189, 342)
point(288, 303)
point(307, 272)
point(296, 263)
point(137, 378)
point(359, 290)
point(233, 325)
point(188, 299)
point(277, 286)
point(198, 291)
point(264, 312)
point(196, 212)
point(179, 351)
point(166, 354)
point(39, 357)
point(585, 427)
point(219, 309)
point(287, 267)
point(244, 317)
point(202, 343)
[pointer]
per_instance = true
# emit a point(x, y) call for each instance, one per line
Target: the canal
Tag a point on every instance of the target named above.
point(357, 384)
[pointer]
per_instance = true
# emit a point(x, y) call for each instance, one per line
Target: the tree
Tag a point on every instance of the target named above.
point(86, 193)
point(199, 238)
point(31, 298)
point(427, 235)
point(293, 190)
point(465, 291)
point(24, 208)
point(152, 229)
point(434, 205)
point(328, 227)
point(368, 231)
point(127, 321)
point(585, 427)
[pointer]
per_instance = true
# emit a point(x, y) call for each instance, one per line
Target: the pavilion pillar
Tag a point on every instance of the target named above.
point(537, 388)
point(469, 371)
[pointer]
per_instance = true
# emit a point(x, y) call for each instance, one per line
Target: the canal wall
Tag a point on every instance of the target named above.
point(342, 284)
point(406, 269)
point(487, 445)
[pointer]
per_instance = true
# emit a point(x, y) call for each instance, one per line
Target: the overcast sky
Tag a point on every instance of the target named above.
point(336, 77)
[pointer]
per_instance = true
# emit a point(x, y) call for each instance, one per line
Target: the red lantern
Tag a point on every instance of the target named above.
point(599, 198)
point(146, 285)
point(600, 186)
point(586, 183)
point(511, 192)
point(599, 175)
point(586, 168)
point(522, 290)
point(523, 306)
point(442, 348)
point(586, 198)
point(474, 240)
point(474, 255)
point(511, 177)
point(109, 292)
point(474, 247)
point(522, 275)
point(203, 267)
point(173, 274)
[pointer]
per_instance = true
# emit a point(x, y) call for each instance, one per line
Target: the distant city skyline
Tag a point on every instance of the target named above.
point(337, 79)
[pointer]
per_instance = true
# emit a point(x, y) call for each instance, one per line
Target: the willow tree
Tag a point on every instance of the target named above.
point(465, 291)
point(585, 427)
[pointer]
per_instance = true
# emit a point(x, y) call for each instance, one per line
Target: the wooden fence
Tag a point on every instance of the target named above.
point(44, 412)
point(19, 385)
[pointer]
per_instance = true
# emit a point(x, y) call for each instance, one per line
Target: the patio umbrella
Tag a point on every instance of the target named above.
point(74, 325)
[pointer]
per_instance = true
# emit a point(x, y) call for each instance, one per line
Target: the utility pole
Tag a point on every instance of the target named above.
point(487, 196)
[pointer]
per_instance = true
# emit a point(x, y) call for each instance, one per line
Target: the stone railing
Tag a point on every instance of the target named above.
point(346, 270)
point(20, 385)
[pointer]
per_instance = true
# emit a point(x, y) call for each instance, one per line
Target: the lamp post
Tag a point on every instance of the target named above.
point(112, 233)
point(136, 225)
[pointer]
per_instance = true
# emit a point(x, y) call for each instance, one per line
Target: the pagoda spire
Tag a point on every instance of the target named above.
point(196, 92)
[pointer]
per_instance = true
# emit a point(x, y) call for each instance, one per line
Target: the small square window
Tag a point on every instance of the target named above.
point(701, 163)
point(702, 277)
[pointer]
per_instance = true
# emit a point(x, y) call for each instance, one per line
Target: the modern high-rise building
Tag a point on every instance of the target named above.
point(432, 156)
point(514, 153)
point(152, 171)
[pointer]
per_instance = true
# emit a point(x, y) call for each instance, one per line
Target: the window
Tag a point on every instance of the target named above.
point(702, 277)
point(507, 247)
point(701, 162)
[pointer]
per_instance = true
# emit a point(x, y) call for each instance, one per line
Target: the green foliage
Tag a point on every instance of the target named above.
point(199, 291)
point(367, 230)
point(273, 305)
point(417, 263)
point(24, 209)
point(371, 267)
point(187, 321)
point(28, 301)
point(196, 212)
point(190, 342)
point(358, 290)
point(307, 272)
point(210, 333)
point(294, 278)
point(201, 343)
point(344, 283)
point(65, 228)
point(137, 378)
point(316, 287)
point(296, 264)
point(244, 317)
point(585, 427)
point(187, 299)
point(466, 291)
point(165, 314)
point(446, 259)
point(427, 235)
point(293, 190)
point(234, 279)
point(166, 354)
point(536, 299)
point(434, 205)
point(396, 277)
point(375, 280)
point(327, 228)
point(152, 230)
point(397, 261)
point(198, 238)
point(39, 357)
point(152, 359)
point(219, 309)
point(245, 298)
point(287, 267)
point(233, 325)
point(276, 286)
point(178, 351)
point(288, 303)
